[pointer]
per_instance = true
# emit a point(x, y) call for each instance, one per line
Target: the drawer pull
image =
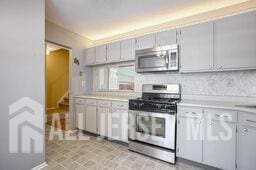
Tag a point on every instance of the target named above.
point(221, 116)
point(245, 130)
point(192, 113)
point(250, 121)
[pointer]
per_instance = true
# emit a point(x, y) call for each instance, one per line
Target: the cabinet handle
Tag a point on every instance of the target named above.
point(250, 121)
point(192, 113)
point(225, 116)
point(245, 129)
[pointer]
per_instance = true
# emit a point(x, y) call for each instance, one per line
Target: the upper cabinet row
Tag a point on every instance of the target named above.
point(112, 52)
point(225, 44)
point(125, 50)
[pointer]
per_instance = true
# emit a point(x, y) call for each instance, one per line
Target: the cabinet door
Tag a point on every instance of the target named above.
point(220, 145)
point(146, 41)
point(113, 52)
point(190, 139)
point(235, 41)
point(128, 49)
point(196, 47)
point(119, 125)
point(89, 56)
point(100, 54)
point(166, 38)
point(103, 119)
point(91, 119)
point(80, 116)
point(246, 153)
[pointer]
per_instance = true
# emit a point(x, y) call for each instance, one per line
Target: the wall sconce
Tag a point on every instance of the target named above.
point(76, 61)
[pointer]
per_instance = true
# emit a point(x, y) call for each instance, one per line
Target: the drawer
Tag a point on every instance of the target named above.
point(104, 103)
point(221, 114)
point(190, 112)
point(247, 119)
point(79, 101)
point(91, 102)
point(120, 105)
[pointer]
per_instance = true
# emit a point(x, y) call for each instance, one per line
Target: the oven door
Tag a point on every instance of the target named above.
point(154, 128)
point(155, 61)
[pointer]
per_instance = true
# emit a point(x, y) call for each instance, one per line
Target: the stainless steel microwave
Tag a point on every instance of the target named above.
point(164, 58)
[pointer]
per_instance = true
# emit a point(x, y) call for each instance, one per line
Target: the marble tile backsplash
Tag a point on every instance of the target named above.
point(236, 83)
point(217, 84)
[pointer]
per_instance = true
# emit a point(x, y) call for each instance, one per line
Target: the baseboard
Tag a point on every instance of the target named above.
point(41, 166)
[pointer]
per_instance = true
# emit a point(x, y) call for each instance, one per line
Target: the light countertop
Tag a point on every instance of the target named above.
point(218, 105)
point(113, 98)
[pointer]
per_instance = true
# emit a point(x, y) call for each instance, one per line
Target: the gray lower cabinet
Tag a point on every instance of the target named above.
point(103, 114)
point(246, 148)
point(91, 118)
point(219, 144)
point(235, 42)
point(80, 116)
point(196, 47)
point(119, 124)
point(207, 136)
point(246, 142)
point(190, 141)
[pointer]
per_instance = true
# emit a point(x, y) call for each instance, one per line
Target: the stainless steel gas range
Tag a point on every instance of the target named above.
point(152, 121)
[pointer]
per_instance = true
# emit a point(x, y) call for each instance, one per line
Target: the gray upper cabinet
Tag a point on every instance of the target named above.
point(235, 42)
point(100, 54)
point(89, 56)
point(220, 145)
point(190, 144)
point(196, 47)
point(128, 49)
point(146, 41)
point(166, 38)
point(113, 52)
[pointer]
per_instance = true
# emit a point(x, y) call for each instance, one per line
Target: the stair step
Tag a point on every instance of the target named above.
point(64, 103)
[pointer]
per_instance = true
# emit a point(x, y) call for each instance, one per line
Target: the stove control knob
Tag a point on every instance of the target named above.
point(159, 106)
point(141, 104)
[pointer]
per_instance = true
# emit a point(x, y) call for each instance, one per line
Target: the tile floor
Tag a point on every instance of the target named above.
point(100, 154)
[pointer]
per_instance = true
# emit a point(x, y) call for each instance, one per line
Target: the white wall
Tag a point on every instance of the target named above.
point(21, 70)
point(62, 36)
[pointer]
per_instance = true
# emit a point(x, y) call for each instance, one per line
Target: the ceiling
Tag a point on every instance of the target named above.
point(99, 19)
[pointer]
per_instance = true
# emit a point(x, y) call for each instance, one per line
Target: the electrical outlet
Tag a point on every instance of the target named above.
point(83, 83)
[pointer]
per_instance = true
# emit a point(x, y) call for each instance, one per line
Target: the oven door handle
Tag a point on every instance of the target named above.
point(167, 60)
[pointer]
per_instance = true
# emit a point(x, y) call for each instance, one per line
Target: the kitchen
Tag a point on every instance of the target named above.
point(166, 84)
point(206, 70)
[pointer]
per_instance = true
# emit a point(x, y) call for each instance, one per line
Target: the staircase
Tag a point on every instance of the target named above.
point(64, 103)
point(62, 111)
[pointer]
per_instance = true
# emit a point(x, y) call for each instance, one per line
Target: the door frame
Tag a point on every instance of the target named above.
point(70, 78)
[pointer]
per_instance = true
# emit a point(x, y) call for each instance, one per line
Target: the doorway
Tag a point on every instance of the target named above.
point(57, 85)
